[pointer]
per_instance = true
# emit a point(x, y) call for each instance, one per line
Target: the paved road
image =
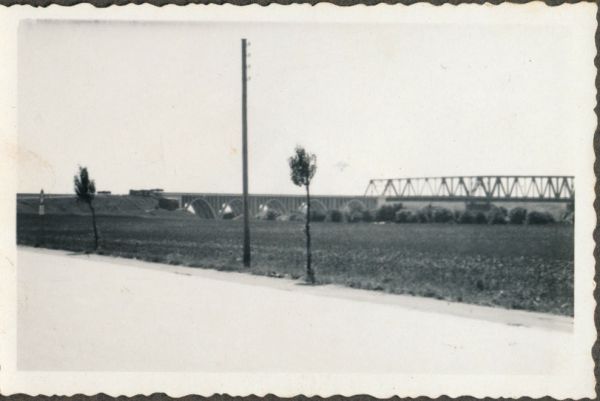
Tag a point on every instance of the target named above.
point(78, 312)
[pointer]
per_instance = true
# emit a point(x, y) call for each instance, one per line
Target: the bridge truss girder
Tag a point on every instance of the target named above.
point(475, 188)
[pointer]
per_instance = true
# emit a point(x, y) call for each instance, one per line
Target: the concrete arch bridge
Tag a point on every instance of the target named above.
point(214, 206)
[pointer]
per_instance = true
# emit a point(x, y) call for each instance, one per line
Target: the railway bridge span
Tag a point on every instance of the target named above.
point(462, 189)
point(459, 189)
point(553, 189)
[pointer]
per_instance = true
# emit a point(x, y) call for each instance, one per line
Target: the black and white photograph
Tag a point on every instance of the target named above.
point(297, 200)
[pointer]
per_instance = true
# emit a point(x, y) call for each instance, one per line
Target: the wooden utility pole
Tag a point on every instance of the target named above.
point(245, 157)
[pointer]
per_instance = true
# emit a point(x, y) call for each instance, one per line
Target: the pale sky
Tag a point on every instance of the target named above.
point(157, 105)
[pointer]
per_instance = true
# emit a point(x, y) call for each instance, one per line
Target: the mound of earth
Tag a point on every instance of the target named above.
point(104, 205)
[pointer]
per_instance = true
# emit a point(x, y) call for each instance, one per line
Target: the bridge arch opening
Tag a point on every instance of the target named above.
point(315, 205)
point(202, 209)
point(276, 205)
point(318, 205)
point(354, 205)
point(231, 209)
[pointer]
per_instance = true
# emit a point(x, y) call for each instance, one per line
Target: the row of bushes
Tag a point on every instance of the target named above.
point(429, 214)
point(496, 215)
point(336, 216)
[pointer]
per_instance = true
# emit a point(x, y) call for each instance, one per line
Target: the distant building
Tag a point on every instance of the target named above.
point(146, 192)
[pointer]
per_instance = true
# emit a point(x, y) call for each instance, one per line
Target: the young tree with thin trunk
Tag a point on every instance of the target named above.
point(303, 166)
point(86, 191)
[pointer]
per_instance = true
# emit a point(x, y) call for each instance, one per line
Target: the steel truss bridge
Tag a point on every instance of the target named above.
point(512, 188)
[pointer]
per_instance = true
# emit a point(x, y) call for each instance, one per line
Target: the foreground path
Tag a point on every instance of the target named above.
point(77, 312)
